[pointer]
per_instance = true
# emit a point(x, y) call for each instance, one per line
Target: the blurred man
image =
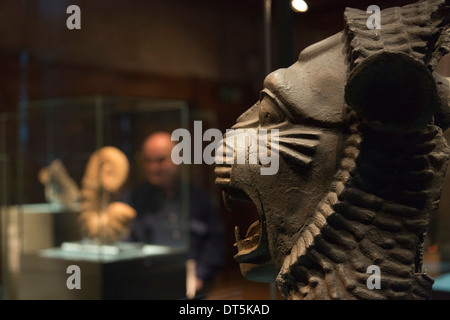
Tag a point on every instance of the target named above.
point(159, 202)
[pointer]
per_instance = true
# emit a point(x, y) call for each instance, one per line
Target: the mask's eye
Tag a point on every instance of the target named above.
point(269, 113)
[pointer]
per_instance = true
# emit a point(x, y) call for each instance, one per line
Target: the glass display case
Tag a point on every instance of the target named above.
point(65, 165)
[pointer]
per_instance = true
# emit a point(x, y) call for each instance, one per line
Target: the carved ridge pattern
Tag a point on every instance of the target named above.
point(410, 36)
point(372, 225)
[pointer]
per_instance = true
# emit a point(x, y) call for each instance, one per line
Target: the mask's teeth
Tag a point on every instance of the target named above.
point(237, 233)
point(254, 229)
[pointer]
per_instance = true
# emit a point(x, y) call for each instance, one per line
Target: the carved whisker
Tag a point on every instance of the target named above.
point(298, 146)
point(302, 145)
point(301, 133)
point(292, 156)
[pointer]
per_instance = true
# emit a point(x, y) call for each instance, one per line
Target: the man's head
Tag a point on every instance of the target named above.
point(159, 169)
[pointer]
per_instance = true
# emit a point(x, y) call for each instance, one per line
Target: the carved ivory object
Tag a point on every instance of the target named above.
point(59, 187)
point(362, 160)
point(100, 218)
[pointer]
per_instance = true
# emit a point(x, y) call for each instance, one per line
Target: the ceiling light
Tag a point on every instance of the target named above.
point(299, 5)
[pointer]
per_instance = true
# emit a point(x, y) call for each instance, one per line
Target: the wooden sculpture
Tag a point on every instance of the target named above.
point(362, 160)
point(102, 219)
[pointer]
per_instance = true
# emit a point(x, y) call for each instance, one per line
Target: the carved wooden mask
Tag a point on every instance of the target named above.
point(361, 160)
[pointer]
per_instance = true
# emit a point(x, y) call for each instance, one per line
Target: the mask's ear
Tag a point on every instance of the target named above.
point(393, 92)
point(391, 83)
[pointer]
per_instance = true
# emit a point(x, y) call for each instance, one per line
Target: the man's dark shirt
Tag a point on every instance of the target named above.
point(160, 221)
